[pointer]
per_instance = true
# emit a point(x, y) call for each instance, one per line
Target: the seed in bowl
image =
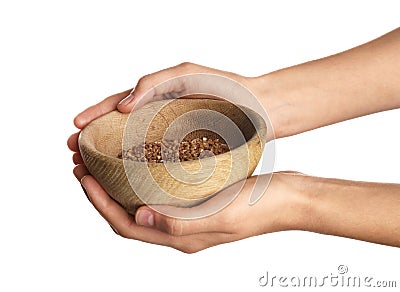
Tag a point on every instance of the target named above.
point(172, 151)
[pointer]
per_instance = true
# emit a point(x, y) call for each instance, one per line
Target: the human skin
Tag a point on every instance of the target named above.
point(353, 83)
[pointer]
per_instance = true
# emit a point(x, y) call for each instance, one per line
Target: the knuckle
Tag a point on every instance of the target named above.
point(114, 229)
point(144, 80)
point(186, 66)
point(187, 245)
point(147, 81)
point(190, 249)
point(230, 222)
point(122, 233)
point(173, 226)
point(106, 206)
point(235, 228)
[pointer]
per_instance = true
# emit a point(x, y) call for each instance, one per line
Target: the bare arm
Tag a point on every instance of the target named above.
point(360, 210)
point(357, 82)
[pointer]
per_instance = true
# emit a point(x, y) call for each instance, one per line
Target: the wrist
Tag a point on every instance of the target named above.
point(276, 98)
point(295, 193)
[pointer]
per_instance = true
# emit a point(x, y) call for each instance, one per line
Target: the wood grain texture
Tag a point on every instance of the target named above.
point(182, 184)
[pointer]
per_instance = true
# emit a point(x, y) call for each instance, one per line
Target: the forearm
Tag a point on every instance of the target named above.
point(364, 211)
point(357, 82)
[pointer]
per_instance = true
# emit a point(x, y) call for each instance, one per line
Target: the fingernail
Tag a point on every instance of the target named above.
point(113, 229)
point(127, 99)
point(84, 190)
point(144, 218)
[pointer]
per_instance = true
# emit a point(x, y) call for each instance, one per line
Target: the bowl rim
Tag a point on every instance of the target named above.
point(260, 132)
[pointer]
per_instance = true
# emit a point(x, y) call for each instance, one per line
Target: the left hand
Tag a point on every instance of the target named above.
point(84, 118)
point(281, 208)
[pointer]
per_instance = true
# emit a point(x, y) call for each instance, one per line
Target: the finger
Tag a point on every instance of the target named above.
point(216, 215)
point(80, 171)
point(189, 238)
point(197, 242)
point(122, 222)
point(152, 87)
point(105, 106)
point(77, 158)
point(146, 216)
point(72, 142)
point(150, 81)
point(292, 172)
point(107, 207)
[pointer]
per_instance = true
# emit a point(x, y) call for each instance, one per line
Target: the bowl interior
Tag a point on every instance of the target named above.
point(186, 119)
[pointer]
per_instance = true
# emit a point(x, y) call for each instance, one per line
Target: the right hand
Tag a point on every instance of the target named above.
point(143, 93)
point(151, 87)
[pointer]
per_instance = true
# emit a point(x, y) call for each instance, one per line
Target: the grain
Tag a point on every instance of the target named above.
point(172, 151)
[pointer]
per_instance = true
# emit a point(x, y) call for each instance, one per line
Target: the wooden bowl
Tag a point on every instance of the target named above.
point(182, 184)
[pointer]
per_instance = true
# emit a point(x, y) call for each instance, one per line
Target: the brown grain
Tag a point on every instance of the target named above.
point(172, 151)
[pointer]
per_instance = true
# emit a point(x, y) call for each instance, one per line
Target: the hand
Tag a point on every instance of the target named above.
point(152, 87)
point(125, 101)
point(83, 119)
point(281, 208)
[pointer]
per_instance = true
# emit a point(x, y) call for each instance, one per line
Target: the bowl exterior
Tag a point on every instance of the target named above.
point(123, 179)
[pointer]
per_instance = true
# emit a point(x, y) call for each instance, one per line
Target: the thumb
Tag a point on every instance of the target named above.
point(156, 86)
point(126, 104)
point(138, 97)
point(146, 216)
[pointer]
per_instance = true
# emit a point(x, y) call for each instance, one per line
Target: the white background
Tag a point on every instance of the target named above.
point(57, 58)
